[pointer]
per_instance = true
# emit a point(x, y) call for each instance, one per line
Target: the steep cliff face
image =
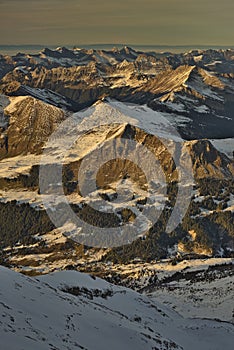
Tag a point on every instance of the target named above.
point(208, 161)
point(29, 123)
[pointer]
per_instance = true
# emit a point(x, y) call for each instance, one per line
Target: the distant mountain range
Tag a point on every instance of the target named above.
point(13, 49)
point(194, 90)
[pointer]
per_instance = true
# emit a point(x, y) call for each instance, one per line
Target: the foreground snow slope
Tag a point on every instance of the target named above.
point(39, 313)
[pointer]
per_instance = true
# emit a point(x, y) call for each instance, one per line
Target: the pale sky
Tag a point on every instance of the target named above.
point(142, 22)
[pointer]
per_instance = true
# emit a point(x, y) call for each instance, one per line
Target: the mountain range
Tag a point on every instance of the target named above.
point(138, 146)
point(196, 86)
point(185, 98)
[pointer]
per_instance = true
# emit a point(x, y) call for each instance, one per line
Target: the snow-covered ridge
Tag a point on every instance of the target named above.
point(110, 111)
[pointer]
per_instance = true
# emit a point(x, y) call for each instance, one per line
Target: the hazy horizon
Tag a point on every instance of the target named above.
point(34, 48)
point(149, 22)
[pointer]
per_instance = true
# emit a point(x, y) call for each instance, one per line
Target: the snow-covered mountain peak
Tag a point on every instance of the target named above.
point(109, 111)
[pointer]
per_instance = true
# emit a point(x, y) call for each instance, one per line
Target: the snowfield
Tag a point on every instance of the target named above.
point(225, 146)
point(70, 310)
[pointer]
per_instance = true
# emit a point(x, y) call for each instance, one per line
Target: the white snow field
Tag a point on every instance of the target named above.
point(39, 314)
